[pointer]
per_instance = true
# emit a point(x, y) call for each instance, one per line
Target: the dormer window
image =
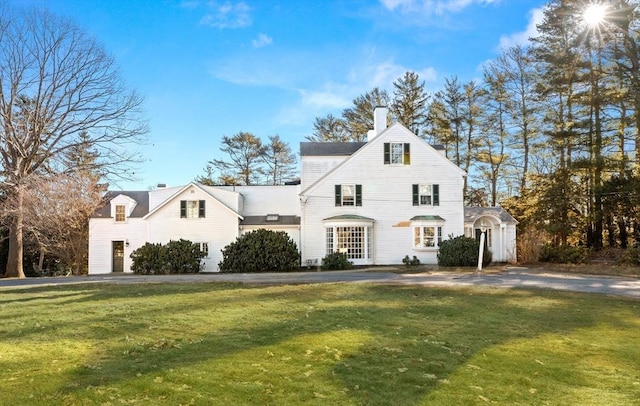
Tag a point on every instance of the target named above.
point(120, 213)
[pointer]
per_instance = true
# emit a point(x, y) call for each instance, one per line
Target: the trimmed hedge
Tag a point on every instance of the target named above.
point(260, 251)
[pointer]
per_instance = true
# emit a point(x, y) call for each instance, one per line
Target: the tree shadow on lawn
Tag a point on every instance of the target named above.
point(409, 336)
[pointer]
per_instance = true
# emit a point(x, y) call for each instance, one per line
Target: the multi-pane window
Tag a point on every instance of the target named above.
point(348, 195)
point(204, 248)
point(427, 236)
point(354, 241)
point(397, 153)
point(120, 213)
point(426, 195)
point(192, 208)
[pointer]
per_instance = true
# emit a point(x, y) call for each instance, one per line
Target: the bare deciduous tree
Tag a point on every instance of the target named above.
point(56, 83)
point(56, 213)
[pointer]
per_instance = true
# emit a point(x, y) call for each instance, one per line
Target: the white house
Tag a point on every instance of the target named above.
point(376, 201)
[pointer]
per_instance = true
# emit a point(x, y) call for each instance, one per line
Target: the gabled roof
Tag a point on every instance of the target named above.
point(329, 148)
point(366, 145)
point(182, 189)
point(140, 197)
point(471, 214)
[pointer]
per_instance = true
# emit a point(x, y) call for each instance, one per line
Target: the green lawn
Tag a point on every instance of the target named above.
point(342, 344)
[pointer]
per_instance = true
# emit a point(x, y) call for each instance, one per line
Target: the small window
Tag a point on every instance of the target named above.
point(426, 195)
point(348, 195)
point(204, 248)
point(120, 213)
point(192, 209)
point(397, 153)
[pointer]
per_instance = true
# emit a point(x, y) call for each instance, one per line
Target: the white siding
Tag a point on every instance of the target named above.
point(218, 228)
point(386, 198)
point(314, 167)
point(102, 232)
point(275, 199)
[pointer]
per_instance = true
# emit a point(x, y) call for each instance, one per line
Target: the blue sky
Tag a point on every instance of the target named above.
point(210, 68)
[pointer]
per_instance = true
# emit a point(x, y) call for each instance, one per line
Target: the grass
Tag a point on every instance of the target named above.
point(342, 344)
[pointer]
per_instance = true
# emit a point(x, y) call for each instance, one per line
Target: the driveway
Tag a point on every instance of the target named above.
point(510, 277)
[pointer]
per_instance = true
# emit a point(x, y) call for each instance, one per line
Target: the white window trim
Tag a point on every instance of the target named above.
point(430, 185)
point(124, 212)
point(200, 244)
point(368, 237)
point(438, 227)
point(351, 203)
point(391, 145)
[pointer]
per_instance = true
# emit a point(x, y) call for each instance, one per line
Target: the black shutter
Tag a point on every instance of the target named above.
point(338, 195)
point(387, 153)
point(201, 211)
point(436, 195)
point(407, 154)
point(183, 209)
point(358, 195)
point(416, 195)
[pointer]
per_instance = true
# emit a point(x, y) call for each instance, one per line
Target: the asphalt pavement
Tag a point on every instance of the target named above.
point(509, 277)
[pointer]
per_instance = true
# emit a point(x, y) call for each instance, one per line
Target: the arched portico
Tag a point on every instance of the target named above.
point(500, 228)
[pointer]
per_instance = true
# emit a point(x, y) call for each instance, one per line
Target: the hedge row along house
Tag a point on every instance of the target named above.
point(376, 201)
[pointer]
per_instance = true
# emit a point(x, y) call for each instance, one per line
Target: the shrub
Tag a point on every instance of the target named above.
point(462, 251)
point(564, 254)
point(410, 261)
point(336, 261)
point(631, 256)
point(183, 256)
point(260, 251)
point(180, 256)
point(149, 259)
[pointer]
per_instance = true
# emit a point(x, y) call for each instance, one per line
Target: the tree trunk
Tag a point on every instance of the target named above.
point(14, 260)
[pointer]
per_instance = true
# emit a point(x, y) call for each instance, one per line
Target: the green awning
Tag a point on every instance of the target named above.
point(427, 218)
point(348, 217)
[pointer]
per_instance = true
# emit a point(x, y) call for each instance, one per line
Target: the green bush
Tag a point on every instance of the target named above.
point(261, 251)
point(149, 259)
point(336, 261)
point(183, 256)
point(564, 254)
point(462, 251)
point(410, 261)
point(180, 256)
point(631, 256)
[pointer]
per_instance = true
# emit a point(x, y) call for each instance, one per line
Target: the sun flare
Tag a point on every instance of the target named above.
point(594, 14)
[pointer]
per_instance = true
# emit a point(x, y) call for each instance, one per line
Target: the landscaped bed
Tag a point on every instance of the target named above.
point(342, 344)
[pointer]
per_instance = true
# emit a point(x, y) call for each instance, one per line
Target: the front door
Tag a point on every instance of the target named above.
point(118, 256)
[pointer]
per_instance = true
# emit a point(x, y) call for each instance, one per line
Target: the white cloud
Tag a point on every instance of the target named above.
point(228, 15)
point(262, 40)
point(437, 7)
point(333, 97)
point(522, 38)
